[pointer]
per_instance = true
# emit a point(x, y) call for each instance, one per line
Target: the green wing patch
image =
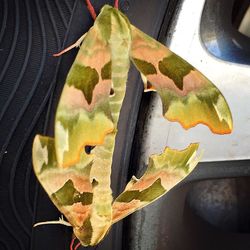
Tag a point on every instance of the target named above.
point(83, 78)
point(68, 195)
point(175, 68)
point(145, 67)
point(106, 71)
point(149, 194)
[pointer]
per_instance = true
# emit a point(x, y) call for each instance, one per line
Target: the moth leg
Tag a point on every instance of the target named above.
point(72, 244)
point(77, 246)
point(61, 221)
point(76, 44)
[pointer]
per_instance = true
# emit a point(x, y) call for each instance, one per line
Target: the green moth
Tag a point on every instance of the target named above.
point(78, 180)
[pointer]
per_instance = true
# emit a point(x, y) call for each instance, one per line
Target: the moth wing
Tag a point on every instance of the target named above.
point(188, 97)
point(164, 172)
point(83, 115)
point(69, 189)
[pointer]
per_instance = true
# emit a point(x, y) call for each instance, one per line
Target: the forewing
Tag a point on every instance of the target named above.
point(164, 172)
point(188, 97)
point(69, 189)
point(75, 167)
point(83, 115)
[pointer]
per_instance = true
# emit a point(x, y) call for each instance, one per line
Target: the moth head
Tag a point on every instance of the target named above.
point(112, 19)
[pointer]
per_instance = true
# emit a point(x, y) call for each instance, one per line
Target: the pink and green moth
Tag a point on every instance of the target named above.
point(78, 182)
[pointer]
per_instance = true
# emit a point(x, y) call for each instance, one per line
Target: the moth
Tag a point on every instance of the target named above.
point(74, 167)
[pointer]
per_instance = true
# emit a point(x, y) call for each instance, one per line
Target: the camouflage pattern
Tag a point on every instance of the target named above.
point(74, 167)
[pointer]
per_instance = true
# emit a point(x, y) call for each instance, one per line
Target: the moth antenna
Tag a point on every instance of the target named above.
point(91, 9)
point(77, 246)
point(116, 5)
